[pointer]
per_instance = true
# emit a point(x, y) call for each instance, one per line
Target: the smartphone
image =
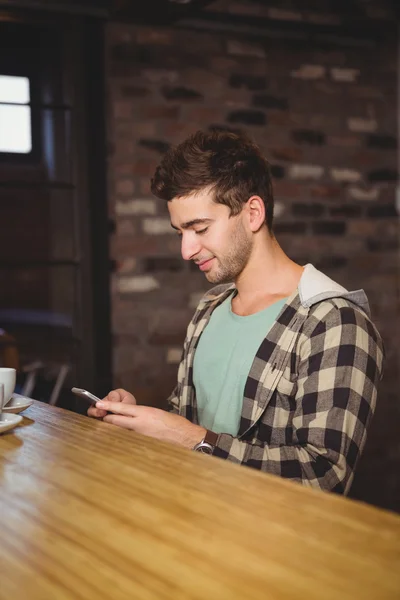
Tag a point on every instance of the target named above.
point(85, 394)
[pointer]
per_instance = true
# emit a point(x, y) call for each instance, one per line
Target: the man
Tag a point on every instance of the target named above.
point(280, 368)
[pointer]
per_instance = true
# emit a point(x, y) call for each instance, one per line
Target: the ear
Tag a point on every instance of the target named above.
point(255, 210)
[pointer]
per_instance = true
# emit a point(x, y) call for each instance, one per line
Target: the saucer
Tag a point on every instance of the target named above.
point(17, 404)
point(8, 422)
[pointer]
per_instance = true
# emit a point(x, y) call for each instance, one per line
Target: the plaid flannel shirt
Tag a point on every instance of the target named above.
point(309, 395)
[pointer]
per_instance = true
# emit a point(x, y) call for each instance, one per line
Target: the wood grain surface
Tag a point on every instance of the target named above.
point(90, 512)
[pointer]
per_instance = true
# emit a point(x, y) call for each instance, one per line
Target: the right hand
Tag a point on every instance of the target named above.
point(119, 395)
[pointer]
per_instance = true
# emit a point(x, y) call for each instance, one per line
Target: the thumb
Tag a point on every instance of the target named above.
point(120, 408)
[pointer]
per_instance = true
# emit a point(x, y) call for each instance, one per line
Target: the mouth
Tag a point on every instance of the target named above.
point(205, 264)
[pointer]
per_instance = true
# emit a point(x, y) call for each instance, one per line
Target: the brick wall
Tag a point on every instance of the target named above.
point(325, 113)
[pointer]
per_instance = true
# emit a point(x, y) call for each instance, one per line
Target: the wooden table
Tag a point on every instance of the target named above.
point(90, 511)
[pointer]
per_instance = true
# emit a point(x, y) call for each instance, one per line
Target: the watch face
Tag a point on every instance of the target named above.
point(205, 448)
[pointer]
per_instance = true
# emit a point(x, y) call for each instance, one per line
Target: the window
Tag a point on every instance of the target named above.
point(15, 115)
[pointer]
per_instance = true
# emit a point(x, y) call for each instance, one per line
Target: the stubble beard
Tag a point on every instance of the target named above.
point(230, 266)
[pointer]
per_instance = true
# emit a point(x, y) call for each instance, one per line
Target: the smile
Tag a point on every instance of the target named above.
point(203, 266)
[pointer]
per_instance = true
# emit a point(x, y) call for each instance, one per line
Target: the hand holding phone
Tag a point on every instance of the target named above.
point(85, 394)
point(118, 395)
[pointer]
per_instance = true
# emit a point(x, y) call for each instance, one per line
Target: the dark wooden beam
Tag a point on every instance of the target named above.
point(95, 8)
point(156, 11)
point(361, 29)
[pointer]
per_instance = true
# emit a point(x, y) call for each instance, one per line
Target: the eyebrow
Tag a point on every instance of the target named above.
point(189, 224)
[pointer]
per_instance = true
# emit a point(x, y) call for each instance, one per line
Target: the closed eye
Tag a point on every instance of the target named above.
point(198, 232)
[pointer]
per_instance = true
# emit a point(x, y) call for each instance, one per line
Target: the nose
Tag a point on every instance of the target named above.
point(190, 245)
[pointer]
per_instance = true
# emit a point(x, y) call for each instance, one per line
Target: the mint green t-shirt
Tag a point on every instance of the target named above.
point(222, 362)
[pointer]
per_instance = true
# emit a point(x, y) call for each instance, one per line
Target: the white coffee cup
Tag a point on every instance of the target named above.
point(7, 378)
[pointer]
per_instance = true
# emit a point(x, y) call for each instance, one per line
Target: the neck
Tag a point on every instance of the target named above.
point(269, 276)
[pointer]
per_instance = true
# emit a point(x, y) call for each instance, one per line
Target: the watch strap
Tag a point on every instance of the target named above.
point(211, 437)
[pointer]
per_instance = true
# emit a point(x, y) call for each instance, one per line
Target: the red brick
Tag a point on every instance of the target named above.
point(122, 169)
point(203, 114)
point(144, 245)
point(159, 112)
point(122, 110)
point(363, 91)
point(127, 265)
point(122, 247)
point(152, 36)
point(327, 87)
point(124, 187)
point(288, 189)
point(326, 191)
point(223, 64)
point(347, 141)
point(144, 167)
point(140, 167)
point(144, 186)
point(121, 131)
point(126, 227)
point(143, 129)
point(160, 76)
point(289, 154)
point(175, 130)
point(124, 148)
point(361, 228)
point(173, 245)
point(205, 43)
point(237, 47)
point(373, 158)
point(278, 117)
point(203, 79)
point(167, 339)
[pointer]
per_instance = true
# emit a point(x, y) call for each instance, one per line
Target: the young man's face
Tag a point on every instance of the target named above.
point(219, 244)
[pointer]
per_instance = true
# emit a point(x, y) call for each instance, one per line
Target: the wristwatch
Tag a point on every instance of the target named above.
point(208, 443)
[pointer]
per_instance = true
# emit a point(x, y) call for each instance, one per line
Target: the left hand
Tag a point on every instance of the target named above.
point(153, 422)
point(118, 395)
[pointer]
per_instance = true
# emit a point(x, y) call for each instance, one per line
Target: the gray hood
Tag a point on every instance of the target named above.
point(314, 286)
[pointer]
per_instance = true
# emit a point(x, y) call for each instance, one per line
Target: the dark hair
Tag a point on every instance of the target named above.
point(231, 164)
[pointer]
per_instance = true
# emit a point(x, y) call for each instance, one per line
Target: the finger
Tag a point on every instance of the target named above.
point(119, 408)
point(120, 421)
point(114, 396)
point(96, 413)
point(126, 396)
point(120, 395)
